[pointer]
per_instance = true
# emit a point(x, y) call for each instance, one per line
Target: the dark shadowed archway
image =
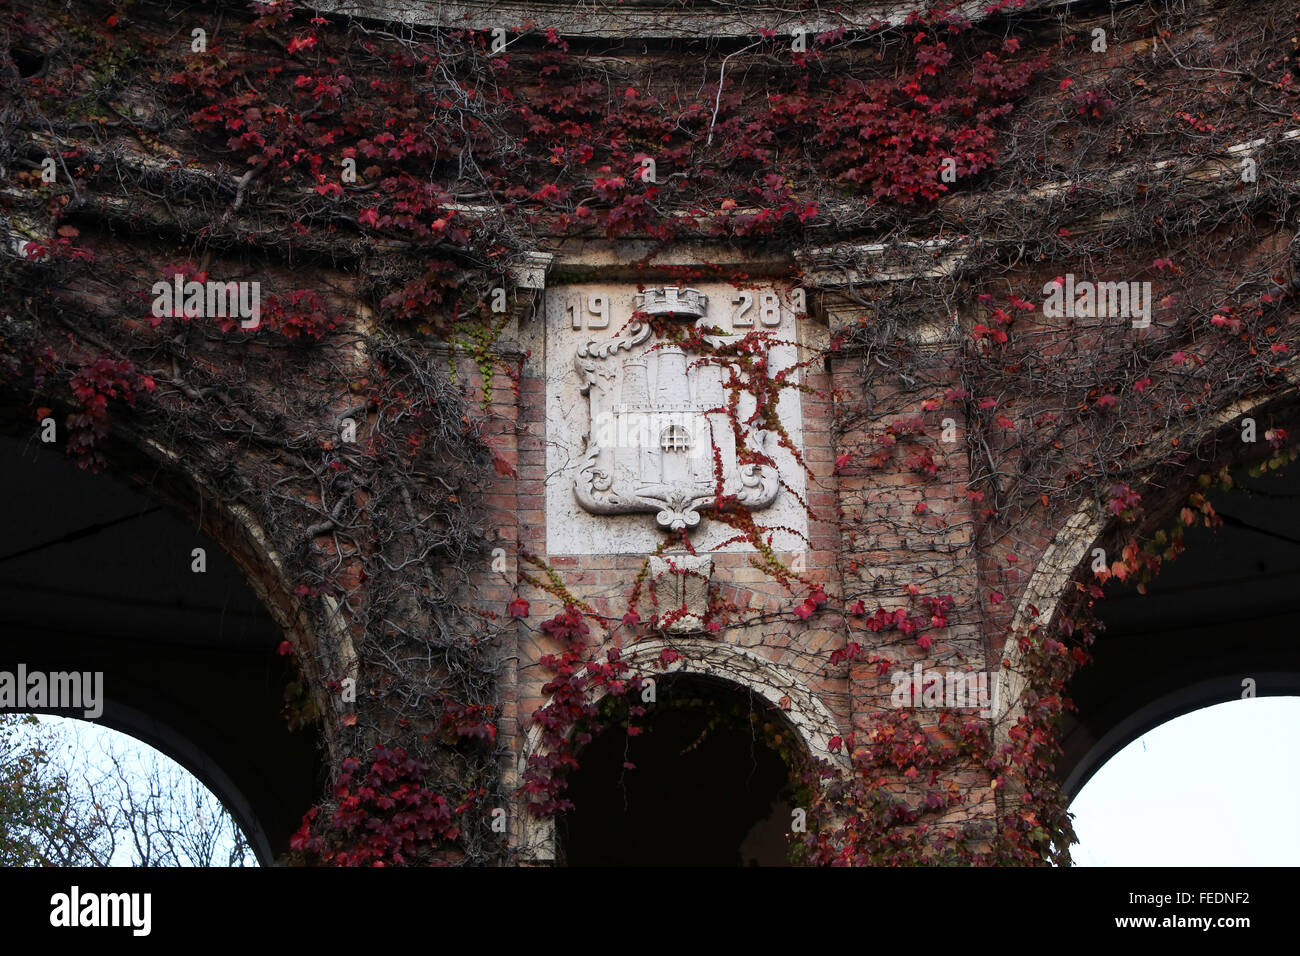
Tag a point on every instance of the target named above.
point(706, 781)
point(1225, 613)
point(97, 576)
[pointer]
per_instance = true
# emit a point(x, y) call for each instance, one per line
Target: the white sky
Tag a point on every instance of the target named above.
point(1216, 787)
point(84, 748)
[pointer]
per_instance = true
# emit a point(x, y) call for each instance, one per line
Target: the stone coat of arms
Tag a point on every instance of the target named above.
point(660, 440)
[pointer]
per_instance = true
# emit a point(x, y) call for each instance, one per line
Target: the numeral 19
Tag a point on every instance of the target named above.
point(597, 308)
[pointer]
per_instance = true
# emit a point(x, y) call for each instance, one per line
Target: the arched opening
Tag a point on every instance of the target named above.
point(1194, 664)
point(709, 776)
point(97, 578)
point(1216, 625)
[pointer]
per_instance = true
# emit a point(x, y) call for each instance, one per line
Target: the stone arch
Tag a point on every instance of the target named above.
point(1057, 567)
point(740, 667)
point(1063, 562)
point(239, 532)
point(187, 700)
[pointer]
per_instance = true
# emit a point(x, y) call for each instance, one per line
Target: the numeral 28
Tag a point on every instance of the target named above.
point(769, 309)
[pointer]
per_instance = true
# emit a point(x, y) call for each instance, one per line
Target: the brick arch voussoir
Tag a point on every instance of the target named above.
point(1067, 556)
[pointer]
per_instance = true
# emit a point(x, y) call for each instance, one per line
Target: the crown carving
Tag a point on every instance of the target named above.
point(673, 302)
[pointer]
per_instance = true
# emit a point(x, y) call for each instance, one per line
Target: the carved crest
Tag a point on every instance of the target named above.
point(659, 437)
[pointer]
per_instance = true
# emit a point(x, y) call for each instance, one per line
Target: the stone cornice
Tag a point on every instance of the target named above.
point(642, 19)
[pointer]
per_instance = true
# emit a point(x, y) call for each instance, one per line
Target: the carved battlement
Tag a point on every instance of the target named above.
point(673, 302)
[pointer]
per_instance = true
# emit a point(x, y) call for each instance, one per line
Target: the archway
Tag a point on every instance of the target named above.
point(708, 777)
point(764, 685)
point(1216, 625)
point(96, 577)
